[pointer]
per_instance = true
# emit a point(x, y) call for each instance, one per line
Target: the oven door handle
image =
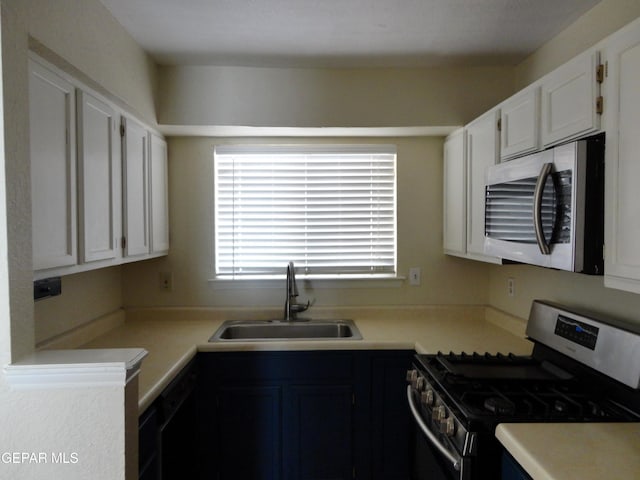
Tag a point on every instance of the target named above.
point(455, 461)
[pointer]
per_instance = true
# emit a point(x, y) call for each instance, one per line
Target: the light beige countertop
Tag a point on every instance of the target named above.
point(173, 336)
point(574, 451)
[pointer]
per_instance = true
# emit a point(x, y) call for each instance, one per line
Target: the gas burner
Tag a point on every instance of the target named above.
point(500, 406)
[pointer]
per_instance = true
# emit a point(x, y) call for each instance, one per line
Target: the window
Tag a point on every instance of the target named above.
point(329, 209)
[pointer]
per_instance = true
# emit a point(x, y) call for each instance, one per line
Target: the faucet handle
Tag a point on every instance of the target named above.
point(299, 307)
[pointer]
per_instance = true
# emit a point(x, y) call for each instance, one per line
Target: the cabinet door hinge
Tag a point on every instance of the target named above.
point(123, 130)
point(123, 242)
point(599, 105)
point(600, 73)
point(499, 125)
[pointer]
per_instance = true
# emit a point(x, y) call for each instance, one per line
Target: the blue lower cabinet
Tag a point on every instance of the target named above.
point(318, 432)
point(390, 417)
point(511, 470)
point(148, 446)
point(248, 421)
point(333, 415)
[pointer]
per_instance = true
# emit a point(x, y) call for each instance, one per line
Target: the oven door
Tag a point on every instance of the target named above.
point(431, 458)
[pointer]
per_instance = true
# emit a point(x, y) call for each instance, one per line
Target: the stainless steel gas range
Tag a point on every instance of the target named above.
point(582, 369)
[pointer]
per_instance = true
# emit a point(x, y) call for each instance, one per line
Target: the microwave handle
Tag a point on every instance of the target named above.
point(537, 208)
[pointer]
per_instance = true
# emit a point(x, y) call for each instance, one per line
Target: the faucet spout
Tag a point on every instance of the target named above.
point(291, 307)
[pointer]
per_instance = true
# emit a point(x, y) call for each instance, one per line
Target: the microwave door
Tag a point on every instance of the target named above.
point(521, 212)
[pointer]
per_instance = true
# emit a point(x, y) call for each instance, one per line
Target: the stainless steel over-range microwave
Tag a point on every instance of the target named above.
point(547, 208)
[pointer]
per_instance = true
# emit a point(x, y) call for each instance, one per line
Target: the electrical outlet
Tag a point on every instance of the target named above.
point(511, 287)
point(415, 276)
point(165, 281)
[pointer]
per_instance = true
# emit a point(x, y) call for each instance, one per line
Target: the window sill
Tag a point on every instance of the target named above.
point(308, 281)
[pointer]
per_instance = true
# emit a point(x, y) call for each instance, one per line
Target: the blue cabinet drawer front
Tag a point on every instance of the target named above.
point(270, 366)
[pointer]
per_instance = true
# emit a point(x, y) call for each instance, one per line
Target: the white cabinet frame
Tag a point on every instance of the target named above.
point(159, 194)
point(53, 168)
point(569, 100)
point(520, 124)
point(622, 156)
point(97, 175)
point(135, 183)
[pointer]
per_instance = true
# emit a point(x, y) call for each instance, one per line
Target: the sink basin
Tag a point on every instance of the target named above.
point(266, 330)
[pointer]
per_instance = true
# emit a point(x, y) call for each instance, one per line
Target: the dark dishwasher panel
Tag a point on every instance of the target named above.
point(177, 435)
point(148, 456)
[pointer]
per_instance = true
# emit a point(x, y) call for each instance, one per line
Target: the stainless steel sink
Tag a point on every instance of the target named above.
point(270, 330)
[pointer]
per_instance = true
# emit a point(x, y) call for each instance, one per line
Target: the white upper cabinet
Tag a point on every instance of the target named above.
point(622, 124)
point(89, 191)
point(482, 151)
point(135, 169)
point(519, 123)
point(97, 173)
point(570, 100)
point(159, 203)
point(53, 168)
point(455, 196)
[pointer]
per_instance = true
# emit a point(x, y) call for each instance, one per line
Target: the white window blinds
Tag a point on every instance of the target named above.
point(329, 209)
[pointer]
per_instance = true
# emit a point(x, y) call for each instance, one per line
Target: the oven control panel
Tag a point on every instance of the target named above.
point(576, 331)
point(589, 339)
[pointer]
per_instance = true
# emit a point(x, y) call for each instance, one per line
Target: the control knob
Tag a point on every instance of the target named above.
point(427, 397)
point(448, 426)
point(439, 413)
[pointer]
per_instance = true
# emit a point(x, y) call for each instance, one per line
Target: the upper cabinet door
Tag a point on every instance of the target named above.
point(97, 174)
point(519, 123)
point(455, 208)
point(53, 168)
point(622, 122)
point(482, 152)
point(569, 100)
point(159, 187)
point(136, 188)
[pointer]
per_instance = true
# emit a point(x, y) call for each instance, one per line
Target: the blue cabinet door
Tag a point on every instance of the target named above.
point(248, 436)
point(390, 428)
point(318, 432)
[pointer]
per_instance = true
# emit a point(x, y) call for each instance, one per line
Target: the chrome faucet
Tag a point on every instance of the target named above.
point(291, 308)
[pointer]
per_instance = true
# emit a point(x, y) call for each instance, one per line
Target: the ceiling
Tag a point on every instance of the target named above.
point(344, 33)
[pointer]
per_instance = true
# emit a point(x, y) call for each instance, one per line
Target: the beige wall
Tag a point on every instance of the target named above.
point(289, 97)
point(445, 280)
point(602, 20)
point(85, 297)
point(567, 288)
point(564, 287)
point(79, 36)
point(90, 420)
